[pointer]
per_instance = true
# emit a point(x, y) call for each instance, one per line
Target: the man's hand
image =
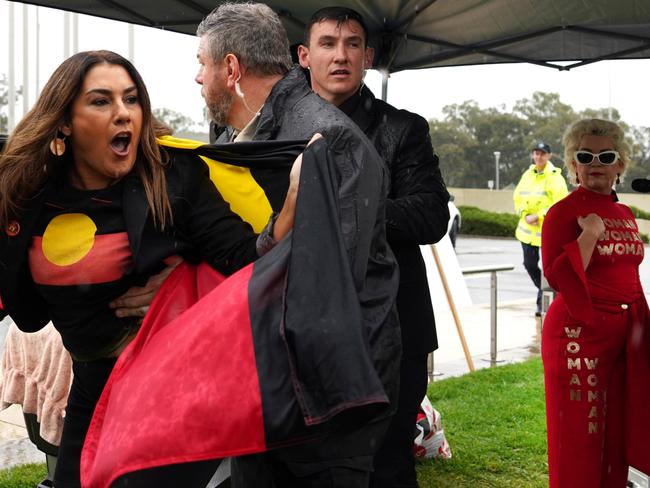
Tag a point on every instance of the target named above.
point(532, 219)
point(135, 302)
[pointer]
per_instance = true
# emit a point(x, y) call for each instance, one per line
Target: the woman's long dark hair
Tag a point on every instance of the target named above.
point(26, 161)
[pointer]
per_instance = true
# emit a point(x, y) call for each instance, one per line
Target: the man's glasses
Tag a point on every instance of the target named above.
point(586, 157)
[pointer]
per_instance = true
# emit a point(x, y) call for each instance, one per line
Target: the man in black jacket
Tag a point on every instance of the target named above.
point(336, 54)
point(250, 88)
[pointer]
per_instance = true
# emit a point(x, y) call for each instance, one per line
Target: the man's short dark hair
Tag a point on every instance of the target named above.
point(338, 14)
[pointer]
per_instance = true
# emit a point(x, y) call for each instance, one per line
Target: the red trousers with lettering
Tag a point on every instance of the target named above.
point(597, 381)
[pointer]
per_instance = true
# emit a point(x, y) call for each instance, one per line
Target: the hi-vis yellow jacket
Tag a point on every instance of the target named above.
point(535, 194)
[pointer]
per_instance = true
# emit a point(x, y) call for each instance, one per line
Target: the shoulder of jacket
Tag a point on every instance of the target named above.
point(403, 117)
point(392, 115)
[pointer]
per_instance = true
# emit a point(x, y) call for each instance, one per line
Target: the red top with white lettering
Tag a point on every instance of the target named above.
point(613, 272)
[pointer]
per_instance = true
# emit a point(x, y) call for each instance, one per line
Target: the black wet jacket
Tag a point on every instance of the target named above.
point(416, 209)
point(294, 111)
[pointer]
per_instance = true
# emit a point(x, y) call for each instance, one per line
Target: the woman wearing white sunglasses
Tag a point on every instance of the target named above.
point(596, 337)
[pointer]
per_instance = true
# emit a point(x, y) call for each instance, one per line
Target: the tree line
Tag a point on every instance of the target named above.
point(467, 137)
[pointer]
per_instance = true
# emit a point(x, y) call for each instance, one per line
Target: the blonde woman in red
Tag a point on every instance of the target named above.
point(596, 339)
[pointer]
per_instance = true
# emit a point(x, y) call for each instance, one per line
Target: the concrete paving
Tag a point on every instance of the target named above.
point(15, 446)
point(517, 336)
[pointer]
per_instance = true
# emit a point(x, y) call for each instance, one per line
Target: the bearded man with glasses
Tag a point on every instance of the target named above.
point(596, 335)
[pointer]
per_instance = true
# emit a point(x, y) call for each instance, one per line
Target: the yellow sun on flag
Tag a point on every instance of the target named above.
point(68, 238)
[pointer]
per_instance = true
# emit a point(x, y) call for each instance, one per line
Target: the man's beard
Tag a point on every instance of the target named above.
point(219, 107)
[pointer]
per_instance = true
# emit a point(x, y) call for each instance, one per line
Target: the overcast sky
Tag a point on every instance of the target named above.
point(167, 62)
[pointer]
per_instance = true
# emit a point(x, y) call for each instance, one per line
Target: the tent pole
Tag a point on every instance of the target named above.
point(25, 62)
point(384, 85)
point(11, 94)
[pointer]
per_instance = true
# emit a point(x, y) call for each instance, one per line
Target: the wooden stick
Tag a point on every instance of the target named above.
point(452, 306)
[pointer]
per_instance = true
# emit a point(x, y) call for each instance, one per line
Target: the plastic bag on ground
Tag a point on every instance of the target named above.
point(430, 441)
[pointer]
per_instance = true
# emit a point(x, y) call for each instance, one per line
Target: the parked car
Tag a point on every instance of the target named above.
point(453, 227)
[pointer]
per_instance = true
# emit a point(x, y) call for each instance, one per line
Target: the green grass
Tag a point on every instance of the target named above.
point(24, 476)
point(494, 420)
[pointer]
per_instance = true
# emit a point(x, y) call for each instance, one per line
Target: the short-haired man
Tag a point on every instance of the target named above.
point(249, 86)
point(541, 185)
point(336, 53)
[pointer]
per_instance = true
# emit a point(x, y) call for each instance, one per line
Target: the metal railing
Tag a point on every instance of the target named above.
point(493, 270)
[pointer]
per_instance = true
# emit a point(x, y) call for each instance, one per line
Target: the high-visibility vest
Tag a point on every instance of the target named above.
point(535, 193)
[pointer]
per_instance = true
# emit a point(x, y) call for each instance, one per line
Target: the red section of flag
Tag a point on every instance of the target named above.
point(216, 373)
point(107, 261)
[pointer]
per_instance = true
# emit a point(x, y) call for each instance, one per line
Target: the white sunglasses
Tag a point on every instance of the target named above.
point(585, 158)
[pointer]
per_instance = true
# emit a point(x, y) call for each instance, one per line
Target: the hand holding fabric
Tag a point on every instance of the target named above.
point(135, 302)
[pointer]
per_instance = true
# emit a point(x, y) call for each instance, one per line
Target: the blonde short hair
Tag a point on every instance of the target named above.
point(593, 127)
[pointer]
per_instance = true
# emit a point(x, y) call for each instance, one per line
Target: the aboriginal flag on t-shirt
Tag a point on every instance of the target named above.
point(274, 355)
point(79, 260)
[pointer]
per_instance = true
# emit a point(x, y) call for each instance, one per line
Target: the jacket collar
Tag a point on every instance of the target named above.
point(359, 107)
point(547, 169)
point(284, 95)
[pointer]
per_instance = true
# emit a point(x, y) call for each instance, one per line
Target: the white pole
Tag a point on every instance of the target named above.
point(38, 56)
point(25, 62)
point(131, 44)
point(75, 33)
point(11, 95)
point(384, 85)
point(66, 35)
point(497, 154)
point(609, 91)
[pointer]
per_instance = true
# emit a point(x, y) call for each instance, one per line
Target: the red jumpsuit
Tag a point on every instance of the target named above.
point(595, 347)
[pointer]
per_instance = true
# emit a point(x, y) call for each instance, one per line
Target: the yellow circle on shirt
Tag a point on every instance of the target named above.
point(68, 238)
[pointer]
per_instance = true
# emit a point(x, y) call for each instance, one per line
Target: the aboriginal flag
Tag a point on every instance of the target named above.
point(274, 355)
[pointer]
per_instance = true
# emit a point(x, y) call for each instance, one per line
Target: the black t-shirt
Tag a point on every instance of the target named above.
point(80, 260)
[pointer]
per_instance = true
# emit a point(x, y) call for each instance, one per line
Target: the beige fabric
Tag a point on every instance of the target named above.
point(248, 132)
point(36, 372)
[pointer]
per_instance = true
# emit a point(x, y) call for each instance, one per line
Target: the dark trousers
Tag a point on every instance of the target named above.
point(260, 471)
point(394, 462)
point(89, 378)
point(342, 460)
point(531, 263)
point(189, 475)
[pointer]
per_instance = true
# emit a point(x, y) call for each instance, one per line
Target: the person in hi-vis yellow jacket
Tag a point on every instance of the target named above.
point(541, 185)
